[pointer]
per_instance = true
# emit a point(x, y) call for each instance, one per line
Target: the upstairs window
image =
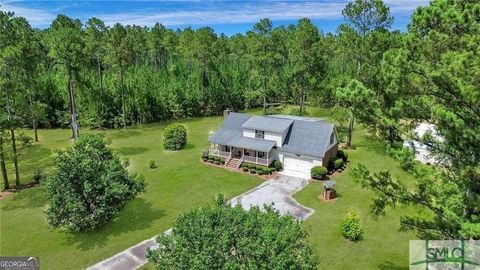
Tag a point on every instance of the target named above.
point(260, 134)
point(332, 138)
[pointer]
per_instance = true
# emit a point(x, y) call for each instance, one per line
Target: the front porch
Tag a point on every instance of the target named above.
point(263, 158)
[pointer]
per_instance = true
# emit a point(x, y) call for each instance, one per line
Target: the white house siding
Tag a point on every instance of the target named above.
point(249, 133)
point(277, 137)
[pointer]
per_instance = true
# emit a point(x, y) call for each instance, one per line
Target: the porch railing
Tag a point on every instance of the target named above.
point(240, 162)
point(218, 153)
point(257, 160)
point(228, 158)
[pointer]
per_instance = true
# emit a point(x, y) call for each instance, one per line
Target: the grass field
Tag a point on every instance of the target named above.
point(181, 182)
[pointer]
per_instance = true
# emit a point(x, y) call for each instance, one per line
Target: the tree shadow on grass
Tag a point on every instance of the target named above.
point(130, 151)
point(137, 215)
point(25, 199)
point(388, 265)
point(124, 134)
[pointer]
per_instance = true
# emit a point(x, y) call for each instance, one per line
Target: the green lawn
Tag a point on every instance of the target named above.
point(181, 182)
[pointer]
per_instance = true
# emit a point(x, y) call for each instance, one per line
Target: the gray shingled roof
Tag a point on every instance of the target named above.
point(267, 124)
point(231, 134)
point(306, 136)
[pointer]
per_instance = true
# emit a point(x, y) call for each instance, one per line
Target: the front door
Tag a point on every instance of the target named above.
point(237, 152)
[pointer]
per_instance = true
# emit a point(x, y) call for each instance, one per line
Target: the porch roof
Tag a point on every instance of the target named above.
point(227, 138)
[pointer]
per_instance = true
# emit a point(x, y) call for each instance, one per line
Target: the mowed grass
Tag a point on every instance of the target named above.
point(181, 182)
point(383, 246)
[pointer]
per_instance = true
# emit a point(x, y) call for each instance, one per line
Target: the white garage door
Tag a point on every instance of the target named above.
point(298, 167)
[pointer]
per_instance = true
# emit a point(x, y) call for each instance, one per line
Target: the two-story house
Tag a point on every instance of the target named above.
point(299, 143)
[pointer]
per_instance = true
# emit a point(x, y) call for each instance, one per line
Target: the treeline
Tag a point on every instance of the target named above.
point(127, 74)
point(74, 74)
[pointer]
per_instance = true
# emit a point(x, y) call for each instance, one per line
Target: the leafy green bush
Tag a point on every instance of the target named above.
point(338, 163)
point(89, 186)
point(204, 154)
point(221, 225)
point(276, 164)
point(318, 172)
point(151, 164)
point(245, 169)
point(174, 137)
point(343, 155)
point(350, 227)
point(253, 171)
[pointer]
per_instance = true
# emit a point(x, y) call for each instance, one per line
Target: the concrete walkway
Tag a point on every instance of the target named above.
point(277, 191)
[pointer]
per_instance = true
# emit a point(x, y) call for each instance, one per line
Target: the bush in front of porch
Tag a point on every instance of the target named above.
point(261, 170)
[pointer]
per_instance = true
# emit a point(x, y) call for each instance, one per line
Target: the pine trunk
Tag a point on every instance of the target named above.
point(15, 156)
point(350, 131)
point(3, 168)
point(122, 89)
point(72, 107)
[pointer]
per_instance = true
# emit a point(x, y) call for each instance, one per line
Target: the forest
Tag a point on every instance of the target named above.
point(79, 75)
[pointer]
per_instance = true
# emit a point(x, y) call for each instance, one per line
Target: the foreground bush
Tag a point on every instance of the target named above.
point(318, 172)
point(343, 155)
point(350, 227)
point(174, 137)
point(225, 237)
point(89, 186)
point(338, 163)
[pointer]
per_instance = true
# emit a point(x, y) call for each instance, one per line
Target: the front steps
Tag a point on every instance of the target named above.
point(233, 163)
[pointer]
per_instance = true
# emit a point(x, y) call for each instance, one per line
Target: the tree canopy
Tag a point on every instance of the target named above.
point(224, 237)
point(89, 186)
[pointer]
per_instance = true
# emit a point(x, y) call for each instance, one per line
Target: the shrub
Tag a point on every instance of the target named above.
point(182, 250)
point(318, 172)
point(151, 164)
point(350, 227)
point(216, 162)
point(338, 163)
point(174, 137)
point(261, 172)
point(331, 165)
point(245, 169)
point(88, 174)
point(244, 165)
point(253, 171)
point(37, 175)
point(205, 154)
point(343, 155)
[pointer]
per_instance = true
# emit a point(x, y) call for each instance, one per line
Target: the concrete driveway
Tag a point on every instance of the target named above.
point(278, 192)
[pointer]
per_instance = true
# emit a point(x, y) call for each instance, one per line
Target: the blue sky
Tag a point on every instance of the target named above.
point(227, 17)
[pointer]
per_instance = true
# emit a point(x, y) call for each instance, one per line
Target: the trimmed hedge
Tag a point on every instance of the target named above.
point(257, 168)
point(318, 172)
point(174, 137)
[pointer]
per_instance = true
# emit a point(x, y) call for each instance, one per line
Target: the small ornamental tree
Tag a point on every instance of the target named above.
point(350, 227)
point(89, 186)
point(174, 137)
point(225, 237)
point(318, 172)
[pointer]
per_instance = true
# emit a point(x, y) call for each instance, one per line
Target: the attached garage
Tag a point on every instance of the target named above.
point(297, 166)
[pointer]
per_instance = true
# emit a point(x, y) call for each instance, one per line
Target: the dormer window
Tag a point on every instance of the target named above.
point(260, 134)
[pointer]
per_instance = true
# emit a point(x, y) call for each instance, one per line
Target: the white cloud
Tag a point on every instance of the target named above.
point(36, 17)
point(208, 12)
